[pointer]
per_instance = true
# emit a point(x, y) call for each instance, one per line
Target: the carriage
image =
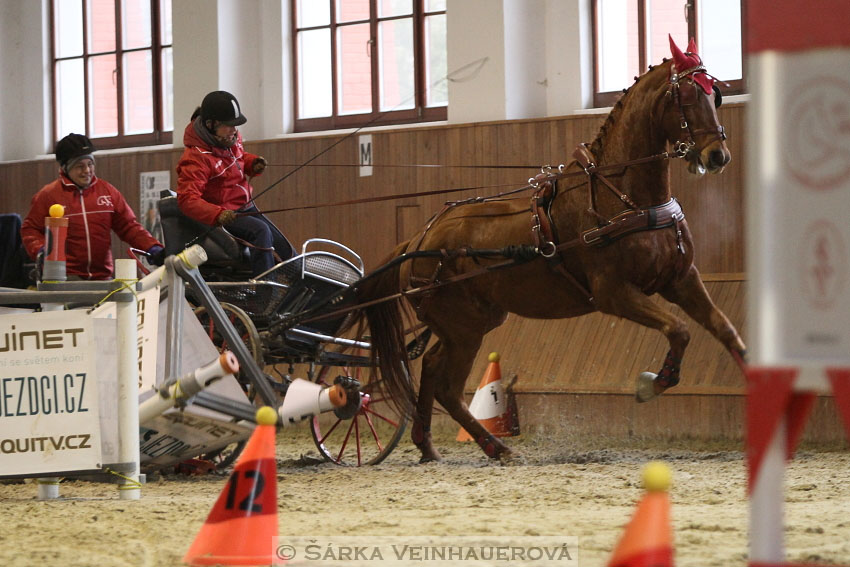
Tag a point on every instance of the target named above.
point(268, 313)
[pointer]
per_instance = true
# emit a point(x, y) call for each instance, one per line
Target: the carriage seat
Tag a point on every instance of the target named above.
point(178, 230)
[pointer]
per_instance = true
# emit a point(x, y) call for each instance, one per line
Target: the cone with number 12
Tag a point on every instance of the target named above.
point(243, 522)
point(493, 404)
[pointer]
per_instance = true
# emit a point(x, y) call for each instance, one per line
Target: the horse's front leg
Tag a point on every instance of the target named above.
point(432, 365)
point(690, 294)
point(627, 301)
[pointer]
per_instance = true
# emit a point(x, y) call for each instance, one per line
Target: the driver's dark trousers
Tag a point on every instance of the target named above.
point(263, 236)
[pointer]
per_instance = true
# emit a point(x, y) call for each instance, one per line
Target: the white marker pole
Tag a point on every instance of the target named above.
point(128, 390)
point(54, 270)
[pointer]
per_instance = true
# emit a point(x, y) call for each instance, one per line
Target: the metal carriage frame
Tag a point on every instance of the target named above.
point(266, 313)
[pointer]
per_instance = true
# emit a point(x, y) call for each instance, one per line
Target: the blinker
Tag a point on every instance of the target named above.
point(687, 92)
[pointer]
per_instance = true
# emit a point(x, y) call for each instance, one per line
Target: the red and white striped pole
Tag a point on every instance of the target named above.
point(798, 239)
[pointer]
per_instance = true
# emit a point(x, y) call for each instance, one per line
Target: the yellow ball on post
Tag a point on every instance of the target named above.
point(56, 211)
point(266, 416)
point(493, 357)
point(657, 476)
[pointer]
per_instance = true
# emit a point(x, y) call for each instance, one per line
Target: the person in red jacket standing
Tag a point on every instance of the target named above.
point(94, 209)
point(213, 180)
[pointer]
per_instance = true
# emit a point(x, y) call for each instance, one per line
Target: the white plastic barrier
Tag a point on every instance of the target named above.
point(187, 386)
point(305, 399)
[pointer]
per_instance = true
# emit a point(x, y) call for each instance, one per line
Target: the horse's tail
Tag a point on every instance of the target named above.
point(386, 331)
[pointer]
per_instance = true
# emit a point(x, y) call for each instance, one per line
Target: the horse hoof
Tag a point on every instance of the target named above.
point(511, 459)
point(645, 387)
point(430, 457)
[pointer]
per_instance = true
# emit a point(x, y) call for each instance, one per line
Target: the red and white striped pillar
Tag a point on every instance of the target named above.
point(798, 239)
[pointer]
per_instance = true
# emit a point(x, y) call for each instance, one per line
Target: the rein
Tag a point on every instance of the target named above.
point(515, 254)
point(533, 183)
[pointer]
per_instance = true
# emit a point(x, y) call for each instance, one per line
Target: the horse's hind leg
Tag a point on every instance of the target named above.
point(460, 326)
point(690, 294)
point(449, 392)
point(629, 302)
point(443, 377)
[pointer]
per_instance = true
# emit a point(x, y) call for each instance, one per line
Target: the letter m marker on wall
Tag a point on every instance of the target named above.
point(365, 143)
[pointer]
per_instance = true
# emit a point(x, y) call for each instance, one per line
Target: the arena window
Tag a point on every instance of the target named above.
point(629, 35)
point(111, 71)
point(364, 62)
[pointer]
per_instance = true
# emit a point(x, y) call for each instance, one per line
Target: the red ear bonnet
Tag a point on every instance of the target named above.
point(689, 60)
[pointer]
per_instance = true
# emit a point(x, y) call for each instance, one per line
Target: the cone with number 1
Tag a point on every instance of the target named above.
point(494, 405)
point(243, 522)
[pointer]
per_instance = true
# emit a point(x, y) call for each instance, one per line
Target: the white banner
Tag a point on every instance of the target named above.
point(49, 416)
point(151, 184)
point(147, 318)
point(798, 204)
point(147, 310)
point(179, 435)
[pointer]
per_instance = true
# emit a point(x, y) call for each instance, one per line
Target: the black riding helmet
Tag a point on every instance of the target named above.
point(223, 107)
point(72, 147)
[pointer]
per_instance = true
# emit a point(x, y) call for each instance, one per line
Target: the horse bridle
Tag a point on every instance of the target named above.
point(684, 91)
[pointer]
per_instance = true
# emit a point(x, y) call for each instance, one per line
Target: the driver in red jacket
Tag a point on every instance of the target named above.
point(213, 180)
point(94, 209)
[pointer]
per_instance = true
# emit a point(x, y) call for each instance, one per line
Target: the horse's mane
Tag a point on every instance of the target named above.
point(596, 147)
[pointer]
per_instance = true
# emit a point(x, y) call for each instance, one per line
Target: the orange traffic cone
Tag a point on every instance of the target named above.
point(243, 522)
point(494, 405)
point(648, 539)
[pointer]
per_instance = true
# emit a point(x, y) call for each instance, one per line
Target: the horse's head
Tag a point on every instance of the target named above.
point(690, 113)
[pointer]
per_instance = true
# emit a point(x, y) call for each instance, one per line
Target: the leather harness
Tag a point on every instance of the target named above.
point(633, 219)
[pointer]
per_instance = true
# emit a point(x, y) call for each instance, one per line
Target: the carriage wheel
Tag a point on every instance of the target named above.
point(246, 330)
point(369, 436)
point(228, 454)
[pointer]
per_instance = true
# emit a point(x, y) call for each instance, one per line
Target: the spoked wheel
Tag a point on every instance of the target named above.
point(367, 437)
point(227, 455)
point(245, 329)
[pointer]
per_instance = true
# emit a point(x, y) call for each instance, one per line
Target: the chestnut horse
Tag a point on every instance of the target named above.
point(593, 257)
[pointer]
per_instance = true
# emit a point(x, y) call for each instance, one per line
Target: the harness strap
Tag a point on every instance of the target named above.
point(545, 238)
point(584, 158)
point(622, 196)
point(541, 227)
point(661, 216)
point(627, 222)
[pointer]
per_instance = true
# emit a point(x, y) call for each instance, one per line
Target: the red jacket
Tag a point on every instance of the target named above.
point(211, 179)
point(92, 214)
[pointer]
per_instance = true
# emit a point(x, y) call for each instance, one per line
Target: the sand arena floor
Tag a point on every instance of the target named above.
point(561, 489)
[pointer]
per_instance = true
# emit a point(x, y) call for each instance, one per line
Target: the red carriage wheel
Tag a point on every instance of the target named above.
point(367, 437)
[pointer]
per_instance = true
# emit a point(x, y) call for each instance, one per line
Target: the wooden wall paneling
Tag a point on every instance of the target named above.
point(19, 181)
point(595, 353)
point(340, 223)
point(308, 185)
point(555, 144)
point(559, 342)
